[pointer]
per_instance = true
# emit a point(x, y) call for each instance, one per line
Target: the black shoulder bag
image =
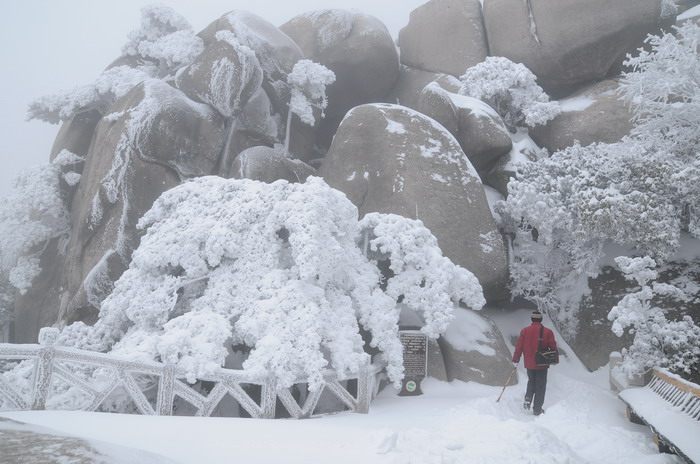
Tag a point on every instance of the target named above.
point(548, 357)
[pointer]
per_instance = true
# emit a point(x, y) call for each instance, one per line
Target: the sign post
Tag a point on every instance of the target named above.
point(415, 361)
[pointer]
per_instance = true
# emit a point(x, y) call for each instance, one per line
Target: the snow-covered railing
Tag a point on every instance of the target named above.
point(670, 406)
point(54, 364)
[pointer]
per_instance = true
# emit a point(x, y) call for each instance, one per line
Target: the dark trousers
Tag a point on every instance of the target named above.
point(536, 387)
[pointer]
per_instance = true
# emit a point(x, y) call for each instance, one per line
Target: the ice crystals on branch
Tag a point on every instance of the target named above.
point(279, 268)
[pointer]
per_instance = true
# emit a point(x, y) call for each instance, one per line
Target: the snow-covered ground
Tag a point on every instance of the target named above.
point(453, 422)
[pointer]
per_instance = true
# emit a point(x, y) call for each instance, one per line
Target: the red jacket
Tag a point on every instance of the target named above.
point(527, 344)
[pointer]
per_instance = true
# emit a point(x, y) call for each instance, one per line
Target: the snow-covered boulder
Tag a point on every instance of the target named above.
point(149, 141)
point(474, 350)
point(593, 114)
point(225, 75)
point(268, 165)
point(482, 134)
point(444, 36)
point(391, 159)
point(275, 51)
point(356, 47)
point(476, 126)
point(570, 42)
point(412, 81)
point(434, 101)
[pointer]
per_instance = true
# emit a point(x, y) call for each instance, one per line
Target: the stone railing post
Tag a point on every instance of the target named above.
point(364, 393)
point(268, 398)
point(166, 391)
point(48, 336)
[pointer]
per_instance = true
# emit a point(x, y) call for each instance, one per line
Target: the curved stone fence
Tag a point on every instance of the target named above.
point(258, 397)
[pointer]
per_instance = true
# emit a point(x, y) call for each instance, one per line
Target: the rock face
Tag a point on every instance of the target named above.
point(593, 114)
point(268, 165)
point(76, 134)
point(569, 42)
point(150, 141)
point(390, 159)
point(474, 350)
point(444, 36)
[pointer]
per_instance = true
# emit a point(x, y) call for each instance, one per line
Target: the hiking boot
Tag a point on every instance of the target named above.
point(526, 404)
point(537, 413)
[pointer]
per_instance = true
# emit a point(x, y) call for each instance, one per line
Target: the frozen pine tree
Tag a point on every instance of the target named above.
point(280, 268)
point(511, 89)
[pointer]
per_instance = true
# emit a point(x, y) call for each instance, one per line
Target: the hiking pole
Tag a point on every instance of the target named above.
point(506, 384)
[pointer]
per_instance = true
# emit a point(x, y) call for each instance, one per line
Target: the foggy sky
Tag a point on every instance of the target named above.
point(48, 46)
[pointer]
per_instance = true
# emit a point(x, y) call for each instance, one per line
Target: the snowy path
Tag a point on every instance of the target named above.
point(451, 423)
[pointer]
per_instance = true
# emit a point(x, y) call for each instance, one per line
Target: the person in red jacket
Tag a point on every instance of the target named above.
point(536, 375)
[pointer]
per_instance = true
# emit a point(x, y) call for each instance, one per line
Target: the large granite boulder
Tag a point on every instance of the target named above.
point(275, 51)
point(593, 114)
point(434, 101)
point(359, 50)
point(391, 159)
point(225, 75)
point(356, 47)
point(411, 82)
point(150, 140)
point(268, 165)
point(474, 350)
point(571, 42)
point(444, 36)
point(479, 130)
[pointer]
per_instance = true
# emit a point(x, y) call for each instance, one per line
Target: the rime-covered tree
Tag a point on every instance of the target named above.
point(511, 89)
point(280, 268)
point(674, 344)
point(642, 192)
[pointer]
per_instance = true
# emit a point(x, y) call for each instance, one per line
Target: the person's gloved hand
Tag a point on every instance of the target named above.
point(515, 365)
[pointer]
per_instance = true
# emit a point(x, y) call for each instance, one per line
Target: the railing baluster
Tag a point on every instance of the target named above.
point(44, 368)
point(166, 391)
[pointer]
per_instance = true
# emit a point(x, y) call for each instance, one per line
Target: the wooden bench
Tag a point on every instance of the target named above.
point(670, 406)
